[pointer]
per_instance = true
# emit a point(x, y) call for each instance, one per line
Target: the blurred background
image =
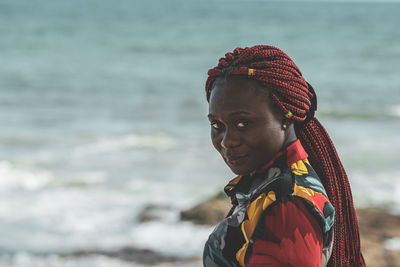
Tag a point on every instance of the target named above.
point(103, 115)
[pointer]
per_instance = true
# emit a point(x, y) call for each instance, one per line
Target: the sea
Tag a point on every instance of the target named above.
point(103, 115)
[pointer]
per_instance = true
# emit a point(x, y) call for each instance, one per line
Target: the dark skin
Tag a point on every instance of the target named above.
point(246, 128)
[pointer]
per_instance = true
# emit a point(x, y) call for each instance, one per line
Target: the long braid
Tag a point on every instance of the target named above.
point(291, 93)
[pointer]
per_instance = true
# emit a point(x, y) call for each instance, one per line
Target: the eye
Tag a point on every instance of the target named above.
point(242, 124)
point(216, 125)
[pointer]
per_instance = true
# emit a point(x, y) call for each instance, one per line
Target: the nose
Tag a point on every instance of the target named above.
point(230, 139)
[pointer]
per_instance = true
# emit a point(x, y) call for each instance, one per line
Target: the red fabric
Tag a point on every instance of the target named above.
point(319, 201)
point(295, 152)
point(294, 238)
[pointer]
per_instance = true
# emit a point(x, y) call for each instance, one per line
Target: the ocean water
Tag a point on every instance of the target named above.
point(103, 113)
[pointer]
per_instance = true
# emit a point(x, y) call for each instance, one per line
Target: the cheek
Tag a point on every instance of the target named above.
point(275, 141)
point(269, 142)
point(215, 140)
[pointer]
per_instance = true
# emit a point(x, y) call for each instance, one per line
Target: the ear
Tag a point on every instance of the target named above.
point(286, 123)
point(288, 131)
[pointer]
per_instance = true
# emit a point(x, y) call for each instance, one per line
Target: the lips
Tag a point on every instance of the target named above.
point(236, 160)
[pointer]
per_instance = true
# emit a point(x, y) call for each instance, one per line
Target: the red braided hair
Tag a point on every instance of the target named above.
point(293, 95)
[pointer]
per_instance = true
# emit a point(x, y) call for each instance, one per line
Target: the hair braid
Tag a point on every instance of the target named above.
point(290, 92)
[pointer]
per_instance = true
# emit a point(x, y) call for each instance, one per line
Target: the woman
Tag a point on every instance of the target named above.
point(261, 112)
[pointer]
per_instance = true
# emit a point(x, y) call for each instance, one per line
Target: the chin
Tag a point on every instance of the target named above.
point(240, 169)
point(241, 172)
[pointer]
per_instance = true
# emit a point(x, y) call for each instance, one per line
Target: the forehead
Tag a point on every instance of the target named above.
point(238, 94)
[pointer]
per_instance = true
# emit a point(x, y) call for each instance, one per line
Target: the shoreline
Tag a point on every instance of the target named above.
point(133, 255)
point(377, 228)
point(379, 234)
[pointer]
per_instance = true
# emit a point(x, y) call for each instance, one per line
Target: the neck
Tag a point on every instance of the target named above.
point(290, 136)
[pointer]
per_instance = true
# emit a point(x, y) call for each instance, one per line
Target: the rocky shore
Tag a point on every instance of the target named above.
point(380, 235)
point(378, 229)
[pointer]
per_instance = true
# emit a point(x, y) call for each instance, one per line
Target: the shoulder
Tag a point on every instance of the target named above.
point(300, 205)
point(308, 187)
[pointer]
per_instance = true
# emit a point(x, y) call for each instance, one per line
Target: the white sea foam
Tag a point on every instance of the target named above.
point(87, 178)
point(395, 110)
point(28, 260)
point(13, 177)
point(182, 238)
point(396, 198)
point(180, 195)
point(160, 142)
point(376, 189)
point(64, 219)
point(393, 244)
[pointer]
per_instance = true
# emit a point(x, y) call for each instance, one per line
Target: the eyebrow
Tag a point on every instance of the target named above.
point(242, 112)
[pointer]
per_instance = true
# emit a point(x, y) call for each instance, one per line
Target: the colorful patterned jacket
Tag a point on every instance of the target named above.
point(281, 216)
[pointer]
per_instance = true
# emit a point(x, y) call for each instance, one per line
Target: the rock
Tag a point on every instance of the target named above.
point(208, 212)
point(377, 226)
point(153, 212)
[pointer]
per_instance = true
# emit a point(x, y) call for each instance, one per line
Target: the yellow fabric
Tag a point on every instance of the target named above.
point(299, 168)
point(232, 183)
point(254, 211)
point(304, 192)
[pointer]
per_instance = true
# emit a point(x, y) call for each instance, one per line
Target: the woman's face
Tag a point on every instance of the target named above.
point(245, 127)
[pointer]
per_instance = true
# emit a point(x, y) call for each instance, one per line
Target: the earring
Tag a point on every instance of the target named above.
point(284, 127)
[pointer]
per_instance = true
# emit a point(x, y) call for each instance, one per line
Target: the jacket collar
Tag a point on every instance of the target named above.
point(284, 158)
